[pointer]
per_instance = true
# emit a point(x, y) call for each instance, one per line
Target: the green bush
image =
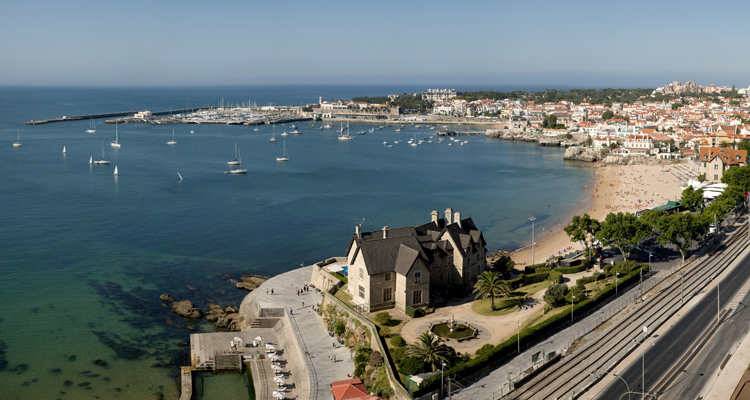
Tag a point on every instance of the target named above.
point(397, 354)
point(359, 370)
point(484, 349)
point(555, 294)
point(340, 329)
point(534, 278)
point(363, 355)
point(578, 291)
point(412, 366)
point(572, 270)
point(530, 269)
point(376, 359)
point(599, 276)
point(385, 331)
point(414, 312)
point(585, 280)
point(398, 341)
point(382, 387)
point(555, 276)
point(383, 318)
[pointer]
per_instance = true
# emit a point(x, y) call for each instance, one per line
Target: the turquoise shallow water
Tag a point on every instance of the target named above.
point(85, 256)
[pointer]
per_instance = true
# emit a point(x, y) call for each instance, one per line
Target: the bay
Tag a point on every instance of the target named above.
point(86, 255)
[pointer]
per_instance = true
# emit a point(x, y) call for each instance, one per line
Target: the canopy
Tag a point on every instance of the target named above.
point(335, 268)
point(279, 379)
point(270, 346)
point(279, 395)
point(258, 338)
point(276, 368)
point(274, 357)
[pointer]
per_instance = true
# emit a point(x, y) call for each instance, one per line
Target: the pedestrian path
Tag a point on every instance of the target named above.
point(316, 344)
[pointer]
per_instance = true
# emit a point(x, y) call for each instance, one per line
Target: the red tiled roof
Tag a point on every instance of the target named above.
point(726, 155)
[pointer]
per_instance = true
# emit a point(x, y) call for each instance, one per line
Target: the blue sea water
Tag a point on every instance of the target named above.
point(86, 255)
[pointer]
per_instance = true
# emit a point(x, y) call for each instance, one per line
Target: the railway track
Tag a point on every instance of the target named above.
point(573, 374)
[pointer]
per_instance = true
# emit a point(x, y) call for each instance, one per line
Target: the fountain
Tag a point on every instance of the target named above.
point(452, 330)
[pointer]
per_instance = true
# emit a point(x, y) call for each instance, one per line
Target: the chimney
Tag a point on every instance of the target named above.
point(448, 216)
point(457, 218)
point(385, 232)
point(358, 230)
point(435, 215)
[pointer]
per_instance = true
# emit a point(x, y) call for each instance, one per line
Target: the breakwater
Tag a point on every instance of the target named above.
point(110, 115)
point(542, 140)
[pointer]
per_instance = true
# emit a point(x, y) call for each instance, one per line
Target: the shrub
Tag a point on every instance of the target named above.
point(599, 276)
point(555, 276)
point(579, 292)
point(383, 318)
point(340, 329)
point(398, 341)
point(414, 312)
point(363, 355)
point(572, 270)
point(385, 331)
point(585, 280)
point(484, 349)
point(398, 354)
point(555, 294)
point(376, 359)
point(412, 366)
point(359, 370)
point(534, 278)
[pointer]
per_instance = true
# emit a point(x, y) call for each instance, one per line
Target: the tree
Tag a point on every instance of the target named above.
point(623, 231)
point(692, 198)
point(503, 262)
point(581, 228)
point(430, 349)
point(555, 294)
point(677, 105)
point(607, 115)
point(737, 176)
point(654, 219)
point(744, 144)
point(490, 285)
point(681, 229)
point(731, 197)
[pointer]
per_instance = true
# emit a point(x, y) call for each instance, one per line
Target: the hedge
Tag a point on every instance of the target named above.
point(531, 335)
point(414, 312)
point(342, 278)
point(572, 270)
point(585, 280)
point(524, 279)
point(530, 269)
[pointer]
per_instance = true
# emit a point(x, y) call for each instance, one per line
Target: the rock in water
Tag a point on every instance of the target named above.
point(165, 297)
point(246, 286)
point(582, 154)
point(230, 321)
point(186, 309)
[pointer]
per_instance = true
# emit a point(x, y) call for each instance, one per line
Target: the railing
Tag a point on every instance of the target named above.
point(312, 374)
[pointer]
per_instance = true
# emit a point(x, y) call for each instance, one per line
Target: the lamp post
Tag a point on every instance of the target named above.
point(643, 364)
point(617, 275)
point(624, 381)
point(532, 239)
point(572, 306)
point(519, 337)
point(442, 381)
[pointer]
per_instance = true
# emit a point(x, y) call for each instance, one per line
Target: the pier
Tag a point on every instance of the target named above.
point(110, 115)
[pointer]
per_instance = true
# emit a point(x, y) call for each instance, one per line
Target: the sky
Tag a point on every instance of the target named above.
point(446, 43)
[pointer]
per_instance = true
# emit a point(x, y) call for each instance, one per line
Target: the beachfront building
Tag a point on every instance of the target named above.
point(715, 160)
point(638, 145)
point(398, 268)
point(439, 94)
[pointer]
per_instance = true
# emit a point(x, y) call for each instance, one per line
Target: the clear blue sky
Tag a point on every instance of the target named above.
point(572, 43)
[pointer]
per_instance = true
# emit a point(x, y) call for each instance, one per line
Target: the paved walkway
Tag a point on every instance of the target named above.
point(310, 327)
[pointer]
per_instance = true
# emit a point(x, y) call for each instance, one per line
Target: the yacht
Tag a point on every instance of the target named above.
point(18, 143)
point(236, 171)
point(172, 142)
point(92, 127)
point(285, 155)
point(116, 143)
point(237, 160)
point(99, 161)
point(273, 138)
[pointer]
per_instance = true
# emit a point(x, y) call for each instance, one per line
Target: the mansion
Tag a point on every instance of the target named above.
point(399, 267)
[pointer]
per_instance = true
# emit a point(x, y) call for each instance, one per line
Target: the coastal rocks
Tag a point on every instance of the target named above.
point(250, 283)
point(549, 141)
point(622, 160)
point(227, 318)
point(582, 154)
point(186, 309)
point(165, 297)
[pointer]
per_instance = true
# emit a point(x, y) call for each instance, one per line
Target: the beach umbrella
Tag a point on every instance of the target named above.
point(274, 357)
point(280, 380)
point(270, 346)
point(276, 368)
point(279, 395)
point(258, 338)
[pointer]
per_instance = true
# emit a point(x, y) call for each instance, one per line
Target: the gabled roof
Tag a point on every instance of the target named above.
point(350, 389)
point(727, 155)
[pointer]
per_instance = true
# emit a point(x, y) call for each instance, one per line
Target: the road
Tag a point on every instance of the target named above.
point(670, 347)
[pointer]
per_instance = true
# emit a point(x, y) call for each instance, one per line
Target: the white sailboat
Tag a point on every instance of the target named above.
point(116, 143)
point(346, 136)
point(273, 139)
point(237, 160)
point(285, 156)
point(115, 174)
point(63, 149)
point(92, 127)
point(172, 142)
point(18, 143)
point(178, 174)
point(99, 161)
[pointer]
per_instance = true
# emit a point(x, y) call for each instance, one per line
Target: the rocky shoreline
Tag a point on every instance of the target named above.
point(520, 135)
point(591, 155)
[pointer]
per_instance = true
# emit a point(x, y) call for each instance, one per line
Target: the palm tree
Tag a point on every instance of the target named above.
point(490, 285)
point(430, 349)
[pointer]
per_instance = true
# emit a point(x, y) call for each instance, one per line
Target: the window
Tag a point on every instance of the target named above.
point(387, 294)
point(361, 291)
point(716, 177)
point(417, 277)
point(417, 297)
point(362, 273)
point(716, 166)
point(704, 164)
point(387, 276)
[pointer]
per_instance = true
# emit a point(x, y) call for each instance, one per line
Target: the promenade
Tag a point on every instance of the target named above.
point(307, 325)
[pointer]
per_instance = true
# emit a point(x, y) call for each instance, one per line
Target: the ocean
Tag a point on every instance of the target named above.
point(86, 255)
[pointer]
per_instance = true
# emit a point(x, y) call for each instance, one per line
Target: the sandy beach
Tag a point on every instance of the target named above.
point(616, 188)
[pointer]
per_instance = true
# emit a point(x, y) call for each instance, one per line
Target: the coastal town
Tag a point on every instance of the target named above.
point(426, 311)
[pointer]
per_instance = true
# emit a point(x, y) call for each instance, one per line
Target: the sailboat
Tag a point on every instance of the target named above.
point(346, 136)
point(99, 161)
point(116, 143)
point(92, 127)
point(63, 149)
point(236, 160)
point(238, 170)
point(178, 174)
point(285, 156)
point(18, 143)
point(273, 139)
point(115, 174)
point(172, 142)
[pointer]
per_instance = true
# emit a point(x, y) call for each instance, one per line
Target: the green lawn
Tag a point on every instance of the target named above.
point(538, 318)
point(502, 306)
point(342, 295)
point(531, 289)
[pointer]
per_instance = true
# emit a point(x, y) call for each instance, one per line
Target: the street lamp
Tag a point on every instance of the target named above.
point(532, 239)
point(614, 373)
point(572, 306)
point(617, 275)
point(442, 381)
point(519, 337)
point(643, 364)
